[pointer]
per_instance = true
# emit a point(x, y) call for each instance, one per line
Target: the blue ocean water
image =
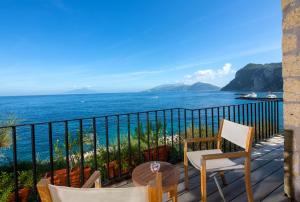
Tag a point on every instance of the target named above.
point(60, 107)
point(32, 109)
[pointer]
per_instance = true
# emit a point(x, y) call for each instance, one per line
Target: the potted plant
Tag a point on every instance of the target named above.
point(7, 186)
point(60, 175)
point(160, 153)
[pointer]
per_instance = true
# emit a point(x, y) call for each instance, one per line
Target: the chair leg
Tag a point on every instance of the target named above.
point(219, 188)
point(203, 183)
point(222, 175)
point(186, 164)
point(173, 194)
point(186, 177)
point(248, 180)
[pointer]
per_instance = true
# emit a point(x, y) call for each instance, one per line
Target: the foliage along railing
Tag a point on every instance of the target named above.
point(115, 144)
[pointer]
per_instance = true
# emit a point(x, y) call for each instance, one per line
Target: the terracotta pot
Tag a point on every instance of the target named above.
point(112, 169)
point(161, 155)
point(23, 195)
point(75, 176)
point(60, 176)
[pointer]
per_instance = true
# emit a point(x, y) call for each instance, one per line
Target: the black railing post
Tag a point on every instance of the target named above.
point(234, 120)
point(255, 122)
point(95, 143)
point(172, 129)
point(148, 135)
point(119, 146)
point(277, 116)
point(243, 108)
point(51, 152)
point(247, 113)
point(200, 127)
point(129, 141)
point(67, 152)
point(234, 113)
point(259, 121)
point(268, 115)
point(229, 118)
point(157, 136)
point(263, 120)
point(15, 163)
point(218, 112)
point(107, 147)
point(32, 128)
point(251, 114)
point(206, 126)
point(193, 134)
point(223, 141)
point(239, 113)
point(272, 120)
point(185, 132)
point(165, 128)
point(139, 136)
point(179, 135)
point(81, 152)
point(212, 125)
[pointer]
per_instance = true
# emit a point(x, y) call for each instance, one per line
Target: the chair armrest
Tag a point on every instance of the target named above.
point(200, 139)
point(224, 155)
point(95, 179)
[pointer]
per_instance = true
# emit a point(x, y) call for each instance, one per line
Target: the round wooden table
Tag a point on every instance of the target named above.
point(143, 176)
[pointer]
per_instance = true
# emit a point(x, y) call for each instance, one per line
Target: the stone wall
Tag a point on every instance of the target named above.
point(291, 85)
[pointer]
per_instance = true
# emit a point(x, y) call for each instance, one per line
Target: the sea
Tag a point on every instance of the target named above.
point(45, 108)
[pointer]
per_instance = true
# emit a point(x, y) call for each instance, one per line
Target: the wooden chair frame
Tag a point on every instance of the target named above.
point(241, 154)
point(154, 192)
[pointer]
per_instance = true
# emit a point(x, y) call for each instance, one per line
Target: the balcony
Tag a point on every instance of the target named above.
point(67, 151)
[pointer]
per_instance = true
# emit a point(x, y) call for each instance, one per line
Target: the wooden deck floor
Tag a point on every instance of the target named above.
point(267, 178)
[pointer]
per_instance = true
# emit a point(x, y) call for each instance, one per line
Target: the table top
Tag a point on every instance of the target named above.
point(143, 176)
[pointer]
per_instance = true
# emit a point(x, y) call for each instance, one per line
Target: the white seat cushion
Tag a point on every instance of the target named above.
point(67, 194)
point(212, 165)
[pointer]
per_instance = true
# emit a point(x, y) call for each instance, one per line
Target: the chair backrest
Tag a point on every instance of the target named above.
point(238, 134)
point(68, 194)
point(52, 193)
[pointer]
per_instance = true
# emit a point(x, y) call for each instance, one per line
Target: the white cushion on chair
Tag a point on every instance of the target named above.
point(68, 194)
point(212, 165)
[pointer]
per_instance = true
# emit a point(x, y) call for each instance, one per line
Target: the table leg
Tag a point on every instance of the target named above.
point(173, 193)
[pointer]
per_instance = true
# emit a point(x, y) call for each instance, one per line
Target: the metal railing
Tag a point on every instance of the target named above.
point(127, 139)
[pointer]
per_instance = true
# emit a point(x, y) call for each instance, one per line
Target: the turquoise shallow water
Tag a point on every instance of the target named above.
point(30, 109)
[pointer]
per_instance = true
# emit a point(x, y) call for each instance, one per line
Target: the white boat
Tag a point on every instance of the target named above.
point(251, 95)
point(271, 96)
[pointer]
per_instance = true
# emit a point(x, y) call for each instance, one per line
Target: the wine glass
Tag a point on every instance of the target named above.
point(154, 166)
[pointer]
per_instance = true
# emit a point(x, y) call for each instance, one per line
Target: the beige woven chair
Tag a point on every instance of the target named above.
point(51, 193)
point(214, 161)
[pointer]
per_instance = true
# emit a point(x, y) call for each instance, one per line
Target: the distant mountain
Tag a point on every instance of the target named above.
point(257, 77)
point(199, 86)
point(81, 91)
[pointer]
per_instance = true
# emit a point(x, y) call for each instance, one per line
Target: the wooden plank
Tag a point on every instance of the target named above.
point(277, 195)
point(262, 189)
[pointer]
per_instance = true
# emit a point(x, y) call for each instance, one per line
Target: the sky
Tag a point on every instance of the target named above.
point(55, 46)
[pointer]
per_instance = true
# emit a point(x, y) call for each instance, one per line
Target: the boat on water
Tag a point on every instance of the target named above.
point(271, 96)
point(251, 95)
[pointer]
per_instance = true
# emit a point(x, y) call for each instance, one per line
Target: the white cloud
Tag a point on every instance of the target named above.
point(216, 77)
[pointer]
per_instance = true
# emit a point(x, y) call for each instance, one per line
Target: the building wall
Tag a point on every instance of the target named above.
point(291, 85)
